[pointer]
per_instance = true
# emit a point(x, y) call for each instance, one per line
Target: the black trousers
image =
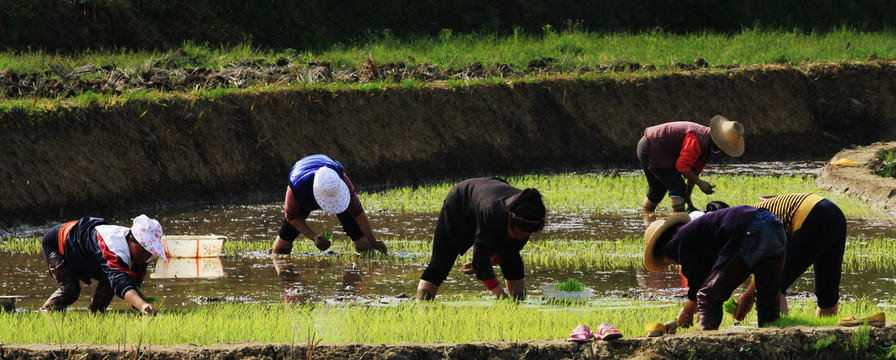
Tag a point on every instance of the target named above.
point(349, 225)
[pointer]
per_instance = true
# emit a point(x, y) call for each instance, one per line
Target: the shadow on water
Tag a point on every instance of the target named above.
point(257, 277)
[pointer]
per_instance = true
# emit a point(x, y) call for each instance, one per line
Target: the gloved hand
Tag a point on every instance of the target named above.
point(705, 187)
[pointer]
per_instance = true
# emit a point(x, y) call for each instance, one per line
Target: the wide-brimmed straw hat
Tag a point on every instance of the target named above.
point(330, 191)
point(148, 233)
point(728, 135)
point(653, 233)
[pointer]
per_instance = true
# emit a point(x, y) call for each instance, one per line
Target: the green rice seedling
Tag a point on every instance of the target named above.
point(730, 306)
point(570, 285)
point(460, 321)
point(28, 245)
point(591, 193)
point(862, 254)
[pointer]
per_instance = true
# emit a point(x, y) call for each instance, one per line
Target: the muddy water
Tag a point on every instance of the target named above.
point(255, 277)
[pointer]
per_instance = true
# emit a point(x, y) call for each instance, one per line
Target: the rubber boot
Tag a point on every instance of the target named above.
point(281, 246)
point(102, 297)
point(68, 289)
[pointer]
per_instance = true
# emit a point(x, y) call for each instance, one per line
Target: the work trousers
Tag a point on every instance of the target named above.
point(762, 252)
point(660, 181)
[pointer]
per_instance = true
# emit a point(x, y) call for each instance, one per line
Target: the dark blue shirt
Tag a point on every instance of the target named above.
point(708, 242)
point(301, 178)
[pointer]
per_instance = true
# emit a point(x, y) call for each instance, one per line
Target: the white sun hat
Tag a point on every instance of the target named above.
point(148, 233)
point(330, 191)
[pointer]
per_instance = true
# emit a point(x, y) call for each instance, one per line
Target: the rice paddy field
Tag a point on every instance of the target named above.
point(594, 236)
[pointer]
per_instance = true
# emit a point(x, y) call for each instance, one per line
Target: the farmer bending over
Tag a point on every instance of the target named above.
point(495, 219)
point(718, 252)
point(679, 149)
point(816, 236)
point(319, 182)
point(114, 256)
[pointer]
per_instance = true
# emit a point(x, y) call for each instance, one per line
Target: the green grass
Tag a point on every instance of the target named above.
point(573, 54)
point(570, 50)
point(887, 167)
point(442, 321)
point(599, 193)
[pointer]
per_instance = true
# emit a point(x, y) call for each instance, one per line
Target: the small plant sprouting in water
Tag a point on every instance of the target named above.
point(887, 167)
point(730, 306)
point(570, 285)
point(327, 234)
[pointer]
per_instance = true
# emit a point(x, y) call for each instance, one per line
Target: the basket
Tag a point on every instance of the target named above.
point(551, 293)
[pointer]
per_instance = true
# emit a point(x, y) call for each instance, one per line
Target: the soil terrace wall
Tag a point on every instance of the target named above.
point(102, 160)
point(795, 342)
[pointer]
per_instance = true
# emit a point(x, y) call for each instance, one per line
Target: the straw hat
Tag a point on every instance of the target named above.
point(330, 191)
point(728, 135)
point(653, 233)
point(148, 233)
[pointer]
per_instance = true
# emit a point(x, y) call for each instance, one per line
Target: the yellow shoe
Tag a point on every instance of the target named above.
point(876, 320)
point(655, 329)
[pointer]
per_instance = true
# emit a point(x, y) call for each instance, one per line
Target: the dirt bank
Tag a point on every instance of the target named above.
point(859, 179)
point(101, 160)
point(797, 342)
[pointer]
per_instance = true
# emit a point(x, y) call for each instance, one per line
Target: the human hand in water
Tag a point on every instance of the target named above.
point(467, 268)
point(322, 243)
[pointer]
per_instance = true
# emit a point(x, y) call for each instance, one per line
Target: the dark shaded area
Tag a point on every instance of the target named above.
point(73, 25)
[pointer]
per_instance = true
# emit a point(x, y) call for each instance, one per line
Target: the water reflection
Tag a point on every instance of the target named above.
point(181, 268)
point(304, 281)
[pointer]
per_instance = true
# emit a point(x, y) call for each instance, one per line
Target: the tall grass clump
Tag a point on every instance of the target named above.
point(887, 166)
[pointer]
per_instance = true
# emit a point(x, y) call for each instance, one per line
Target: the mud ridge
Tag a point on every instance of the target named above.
point(795, 342)
point(118, 159)
point(859, 179)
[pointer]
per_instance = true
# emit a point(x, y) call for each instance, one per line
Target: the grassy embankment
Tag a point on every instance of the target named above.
point(574, 54)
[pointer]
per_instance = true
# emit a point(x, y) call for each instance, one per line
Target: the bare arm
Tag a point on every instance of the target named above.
point(686, 315)
point(364, 223)
point(135, 298)
point(300, 224)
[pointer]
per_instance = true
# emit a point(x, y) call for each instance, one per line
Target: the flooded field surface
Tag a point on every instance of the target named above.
point(257, 277)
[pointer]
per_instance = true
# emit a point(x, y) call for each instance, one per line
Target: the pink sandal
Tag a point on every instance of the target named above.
point(607, 332)
point(581, 334)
